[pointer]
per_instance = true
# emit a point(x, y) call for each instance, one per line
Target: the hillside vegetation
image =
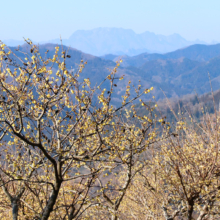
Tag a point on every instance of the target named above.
point(178, 73)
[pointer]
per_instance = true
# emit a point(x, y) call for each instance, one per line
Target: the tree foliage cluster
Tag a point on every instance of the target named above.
point(68, 153)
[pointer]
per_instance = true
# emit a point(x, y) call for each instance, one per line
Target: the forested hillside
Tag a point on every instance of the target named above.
point(178, 73)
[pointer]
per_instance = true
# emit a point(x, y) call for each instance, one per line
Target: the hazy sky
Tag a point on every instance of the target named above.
point(46, 19)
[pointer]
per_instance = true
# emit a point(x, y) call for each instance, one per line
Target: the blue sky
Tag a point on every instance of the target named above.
point(42, 20)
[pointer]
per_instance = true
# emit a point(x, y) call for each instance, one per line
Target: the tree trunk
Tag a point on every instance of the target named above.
point(114, 216)
point(52, 200)
point(190, 210)
point(14, 205)
point(71, 215)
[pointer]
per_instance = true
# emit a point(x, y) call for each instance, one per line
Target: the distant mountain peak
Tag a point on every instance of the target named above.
point(120, 41)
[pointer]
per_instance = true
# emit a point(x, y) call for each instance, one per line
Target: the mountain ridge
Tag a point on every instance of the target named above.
point(197, 52)
point(120, 41)
point(175, 76)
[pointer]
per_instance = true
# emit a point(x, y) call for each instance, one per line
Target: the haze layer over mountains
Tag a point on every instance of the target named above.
point(119, 41)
